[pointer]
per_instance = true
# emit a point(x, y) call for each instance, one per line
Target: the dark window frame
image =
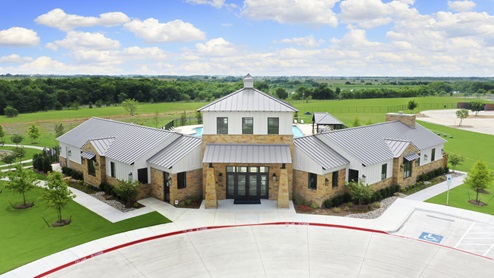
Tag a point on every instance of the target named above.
point(181, 180)
point(113, 172)
point(246, 129)
point(312, 181)
point(334, 179)
point(221, 125)
point(91, 167)
point(384, 171)
point(273, 125)
point(407, 169)
point(433, 154)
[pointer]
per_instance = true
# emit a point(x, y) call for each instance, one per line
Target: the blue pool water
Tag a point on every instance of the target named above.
point(296, 132)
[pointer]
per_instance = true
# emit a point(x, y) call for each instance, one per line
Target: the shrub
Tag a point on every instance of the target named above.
point(446, 169)
point(375, 205)
point(346, 208)
point(347, 197)
point(314, 205)
point(336, 210)
point(328, 203)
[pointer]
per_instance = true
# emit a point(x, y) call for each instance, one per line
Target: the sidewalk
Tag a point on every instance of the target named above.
point(437, 189)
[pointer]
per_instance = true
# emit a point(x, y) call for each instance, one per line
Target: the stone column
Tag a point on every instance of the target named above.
point(283, 195)
point(211, 198)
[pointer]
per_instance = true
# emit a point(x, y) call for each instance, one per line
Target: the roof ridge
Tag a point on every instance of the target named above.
point(132, 124)
point(246, 144)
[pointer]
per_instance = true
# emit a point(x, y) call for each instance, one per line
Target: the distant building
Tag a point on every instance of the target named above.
point(247, 152)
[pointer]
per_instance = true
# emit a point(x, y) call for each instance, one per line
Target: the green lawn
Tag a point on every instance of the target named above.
point(24, 236)
point(458, 198)
point(29, 153)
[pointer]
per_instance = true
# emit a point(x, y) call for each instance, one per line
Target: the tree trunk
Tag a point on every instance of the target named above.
point(477, 200)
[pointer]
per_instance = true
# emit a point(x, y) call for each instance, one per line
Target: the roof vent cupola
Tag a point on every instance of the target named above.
point(248, 81)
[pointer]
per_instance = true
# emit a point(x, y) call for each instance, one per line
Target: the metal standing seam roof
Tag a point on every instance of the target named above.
point(321, 153)
point(101, 145)
point(397, 147)
point(172, 153)
point(130, 141)
point(248, 100)
point(324, 118)
point(247, 153)
point(367, 143)
point(87, 155)
point(411, 156)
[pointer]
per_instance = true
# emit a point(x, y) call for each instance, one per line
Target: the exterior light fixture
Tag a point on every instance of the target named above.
point(283, 166)
point(69, 152)
point(363, 178)
point(275, 178)
point(220, 177)
point(130, 176)
point(210, 165)
point(326, 182)
point(425, 157)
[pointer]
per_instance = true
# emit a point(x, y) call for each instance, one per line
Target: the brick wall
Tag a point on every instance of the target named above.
point(193, 189)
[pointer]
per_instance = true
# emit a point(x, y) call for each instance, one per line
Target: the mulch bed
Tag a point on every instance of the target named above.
point(342, 210)
point(480, 203)
point(61, 223)
point(24, 206)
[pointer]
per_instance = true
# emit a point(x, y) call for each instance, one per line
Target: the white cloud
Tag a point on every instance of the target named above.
point(367, 14)
point(80, 40)
point(214, 3)
point(314, 12)
point(14, 58)
point(18, 36)
point(139, 53)
point(307, 41)
point(151, 30)
point(216, 47)
point(461, 6)
point(57, 18)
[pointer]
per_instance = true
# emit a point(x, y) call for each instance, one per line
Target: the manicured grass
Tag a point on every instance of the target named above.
point(24, 236)
point(29, 153)
point(458, 198)
point(472, 145)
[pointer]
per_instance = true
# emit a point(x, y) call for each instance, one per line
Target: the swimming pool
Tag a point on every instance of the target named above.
point(296, 132)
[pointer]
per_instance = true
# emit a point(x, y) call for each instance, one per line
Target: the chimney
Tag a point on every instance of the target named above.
point(248, 82)
point(408, 119)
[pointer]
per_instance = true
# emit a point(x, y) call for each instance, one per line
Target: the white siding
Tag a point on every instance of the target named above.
point(75, 153)
point(260, 121)
point(122, 170)
point(428, 152)
point(373, 172)
point(192, 161)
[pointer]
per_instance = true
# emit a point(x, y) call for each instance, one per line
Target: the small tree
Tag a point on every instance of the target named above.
point(156, 119)
point(199, 117)
point(10, 112)
point(33, 134)
point(127, 191)
point(59, 130)
point(476, 106)
point(479, 178)
point(356, 122)
point(21, 181)
point(183, 119)
point(57, 195)
point(2, 135)
point(455, 160)
point(16, 138)
point(281, 93)
point(359, 191)
point(130, 105)
point(461, 114)
point(412, 104)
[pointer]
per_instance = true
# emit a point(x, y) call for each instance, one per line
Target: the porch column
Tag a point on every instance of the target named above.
point(283, 196)
point(211, 198)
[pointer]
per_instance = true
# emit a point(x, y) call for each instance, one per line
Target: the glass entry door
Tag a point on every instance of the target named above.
point(247, 182)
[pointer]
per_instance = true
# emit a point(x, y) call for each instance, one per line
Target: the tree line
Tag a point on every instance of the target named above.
point(23, 95)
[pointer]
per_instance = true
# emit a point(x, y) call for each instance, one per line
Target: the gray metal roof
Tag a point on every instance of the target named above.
point(247, 153)
point(248, 100)
point(172, 153)
point(323, 118)
point(102, 145)
point(320, 152)
point(367, 143)
point(130, 141)
point(411, 156)
point(397, 146)
point(87, 155)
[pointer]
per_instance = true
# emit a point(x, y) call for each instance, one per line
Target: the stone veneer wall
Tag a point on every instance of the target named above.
point(100, 173)
point(193, 189)
point(157, 184)
point(272, 186)
point(408, 119)
point(323, 191)
point(246, 139)
point(73, 165)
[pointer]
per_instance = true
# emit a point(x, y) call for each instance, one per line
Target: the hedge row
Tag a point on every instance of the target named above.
point(42, 162)
point(432, 174)
point(73, 173)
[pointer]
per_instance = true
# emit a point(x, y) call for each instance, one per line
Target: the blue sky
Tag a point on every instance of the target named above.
point(261, 37)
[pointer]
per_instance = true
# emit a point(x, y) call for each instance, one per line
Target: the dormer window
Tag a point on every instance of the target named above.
point(222, 125)
point(248, 125)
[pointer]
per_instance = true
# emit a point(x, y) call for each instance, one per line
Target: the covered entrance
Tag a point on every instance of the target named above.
point(247, 183)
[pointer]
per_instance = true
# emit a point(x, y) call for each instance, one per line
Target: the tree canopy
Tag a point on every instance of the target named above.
point(461, 114)
point(21, 181)
point(57, 194)
point(479, 178)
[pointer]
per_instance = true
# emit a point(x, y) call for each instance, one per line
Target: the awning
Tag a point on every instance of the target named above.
point(247, 153)
point(411, 156)
point(87, 155)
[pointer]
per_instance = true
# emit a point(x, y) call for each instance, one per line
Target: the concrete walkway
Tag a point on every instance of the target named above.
point(305, 245)
point(24, 161)
point(437, 189)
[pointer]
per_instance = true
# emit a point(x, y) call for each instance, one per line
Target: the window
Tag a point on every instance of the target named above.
point(433, 155)
point(407, 168)
point(112, 170)
point(222, 125)
point(248, 125)
point(417, 161)
point(91, 169)
point(312, 181)
point(384, 171)
point(273, 126)
point(181, 180)
point(334, 179)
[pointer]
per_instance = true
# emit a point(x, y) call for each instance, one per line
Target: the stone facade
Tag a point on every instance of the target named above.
point(192, 190)
point(323, 191)
point(100, 167)
point(73, 165)
point(283, 193)
point(210, 190)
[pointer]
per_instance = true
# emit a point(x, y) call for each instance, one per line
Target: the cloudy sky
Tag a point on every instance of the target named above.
point(261, 37)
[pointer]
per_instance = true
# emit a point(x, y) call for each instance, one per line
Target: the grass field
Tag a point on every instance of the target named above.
point(29, 153)
point(458, 198)
point(26, 237)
